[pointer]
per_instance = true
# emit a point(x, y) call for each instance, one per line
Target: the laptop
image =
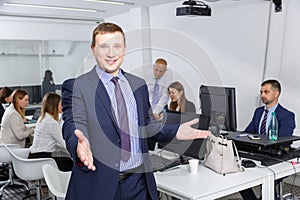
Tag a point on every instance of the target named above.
point(35, 116)
point(192, 148)
point(174, 117)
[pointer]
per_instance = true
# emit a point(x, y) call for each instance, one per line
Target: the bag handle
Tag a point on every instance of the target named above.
point(241, 168)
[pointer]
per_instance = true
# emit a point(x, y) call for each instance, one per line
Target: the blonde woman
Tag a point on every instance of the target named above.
point(48, 134)
point(13, 129)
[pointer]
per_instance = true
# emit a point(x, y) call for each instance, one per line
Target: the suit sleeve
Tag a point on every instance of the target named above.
point(286, 124)
point(69, 125)
point(252, 127)
point(156, 131)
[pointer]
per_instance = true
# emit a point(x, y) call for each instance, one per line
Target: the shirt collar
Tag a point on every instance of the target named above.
point(106, 77)
point(272, 109)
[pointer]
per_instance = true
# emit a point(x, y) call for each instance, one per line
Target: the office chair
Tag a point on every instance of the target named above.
point(30, 169)
point(57, 181)
point(6, 160)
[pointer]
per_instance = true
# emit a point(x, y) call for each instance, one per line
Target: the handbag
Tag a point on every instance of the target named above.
point(220, 155)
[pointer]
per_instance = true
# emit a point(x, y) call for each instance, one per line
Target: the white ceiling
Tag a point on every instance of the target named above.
point(103, 10)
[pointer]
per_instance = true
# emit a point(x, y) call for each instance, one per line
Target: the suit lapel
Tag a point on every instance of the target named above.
point(102, 97)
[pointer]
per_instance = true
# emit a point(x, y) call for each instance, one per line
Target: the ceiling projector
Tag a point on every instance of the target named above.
point(193, 8)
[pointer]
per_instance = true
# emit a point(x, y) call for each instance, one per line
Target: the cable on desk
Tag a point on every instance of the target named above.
point(295, 171)
point(295, 174)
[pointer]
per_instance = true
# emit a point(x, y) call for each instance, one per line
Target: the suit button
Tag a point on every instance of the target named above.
point(119, 141)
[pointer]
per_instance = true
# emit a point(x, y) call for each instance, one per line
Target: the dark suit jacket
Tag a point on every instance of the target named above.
point(47, 86)
point(285, 118)
point(87, 107)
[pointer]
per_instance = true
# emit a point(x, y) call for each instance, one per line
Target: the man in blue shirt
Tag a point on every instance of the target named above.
point(269, 92)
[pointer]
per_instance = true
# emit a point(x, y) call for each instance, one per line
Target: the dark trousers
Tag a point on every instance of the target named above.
point(134, 187)
point(63, 163)
point(248, 194)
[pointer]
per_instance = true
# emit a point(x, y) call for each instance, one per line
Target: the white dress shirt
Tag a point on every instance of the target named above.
point(163, 83)
point(48, 136)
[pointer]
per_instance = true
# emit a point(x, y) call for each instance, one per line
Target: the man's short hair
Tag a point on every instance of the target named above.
point(161, 61)
point(274, 84)
point(106, 27)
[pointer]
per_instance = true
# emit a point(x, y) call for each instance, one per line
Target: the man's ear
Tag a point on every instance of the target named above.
point(93, 50)
point(277, 93)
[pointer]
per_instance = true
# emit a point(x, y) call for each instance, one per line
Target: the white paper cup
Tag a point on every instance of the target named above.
point(194, 163)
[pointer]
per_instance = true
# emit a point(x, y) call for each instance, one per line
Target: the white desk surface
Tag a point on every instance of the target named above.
point(210, 185)
point(286, 168)
point(207, 184)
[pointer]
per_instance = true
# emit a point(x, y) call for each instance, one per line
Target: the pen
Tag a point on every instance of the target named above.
point(242, 135)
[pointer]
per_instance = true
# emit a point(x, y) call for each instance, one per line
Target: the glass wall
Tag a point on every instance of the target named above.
point(23, 63)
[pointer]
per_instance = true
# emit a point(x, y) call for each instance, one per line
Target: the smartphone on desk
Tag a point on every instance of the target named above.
point(254, 137)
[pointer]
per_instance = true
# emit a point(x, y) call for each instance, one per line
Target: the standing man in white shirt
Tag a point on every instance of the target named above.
point(158, 82)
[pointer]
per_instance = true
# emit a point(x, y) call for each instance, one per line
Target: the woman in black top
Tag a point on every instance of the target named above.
point(5, 98)
point(48, 83)
point(178, 101)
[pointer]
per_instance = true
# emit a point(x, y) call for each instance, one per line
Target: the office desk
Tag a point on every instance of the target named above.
point(284, 169)
point(209, 185)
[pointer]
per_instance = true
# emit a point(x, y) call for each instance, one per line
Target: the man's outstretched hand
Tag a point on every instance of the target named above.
point(84, 152)
point(186, 132)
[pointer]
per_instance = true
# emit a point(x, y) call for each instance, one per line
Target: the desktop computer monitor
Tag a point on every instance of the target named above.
point(193, 148)
point(29, 90)
point(220, 104)
point(34, 93)
point(37, 93)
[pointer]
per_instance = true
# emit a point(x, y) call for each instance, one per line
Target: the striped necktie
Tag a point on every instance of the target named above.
point(123, 121)
point(264, 122)
point(155, 93)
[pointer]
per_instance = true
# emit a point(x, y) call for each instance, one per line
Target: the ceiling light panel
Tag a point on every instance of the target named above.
point(51, 7)
point(111, 2)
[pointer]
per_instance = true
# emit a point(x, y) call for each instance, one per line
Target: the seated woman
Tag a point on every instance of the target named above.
point(13, 129)
point(178, 101)
point(5, 99)
point(48, 138)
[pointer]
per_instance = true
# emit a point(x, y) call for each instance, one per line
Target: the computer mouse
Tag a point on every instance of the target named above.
point(248, 163)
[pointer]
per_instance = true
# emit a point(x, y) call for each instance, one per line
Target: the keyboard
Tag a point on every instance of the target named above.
point(160, 163)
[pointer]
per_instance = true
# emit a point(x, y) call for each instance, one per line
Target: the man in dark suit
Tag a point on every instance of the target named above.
point(269, 92)
point(109, 166)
